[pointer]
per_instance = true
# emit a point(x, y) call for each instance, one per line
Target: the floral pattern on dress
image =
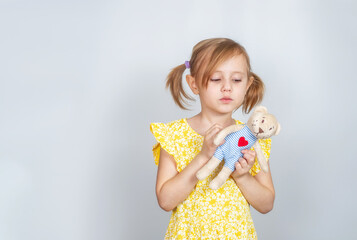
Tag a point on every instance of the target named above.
point(206, 213)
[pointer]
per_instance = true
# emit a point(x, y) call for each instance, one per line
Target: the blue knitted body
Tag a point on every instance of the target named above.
point(235, 143)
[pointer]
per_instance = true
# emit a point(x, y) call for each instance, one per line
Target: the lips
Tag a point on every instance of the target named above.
point(226, 99)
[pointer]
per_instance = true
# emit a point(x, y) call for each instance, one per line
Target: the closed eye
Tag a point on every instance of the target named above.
point(215, 79)
point(237, 80)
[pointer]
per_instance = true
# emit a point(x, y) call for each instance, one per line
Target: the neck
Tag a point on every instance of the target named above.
point(205, 119)
point(209, 119)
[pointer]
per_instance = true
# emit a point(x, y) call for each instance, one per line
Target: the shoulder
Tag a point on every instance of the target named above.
point(170, 128)
point(179, 123)
point(169, 124)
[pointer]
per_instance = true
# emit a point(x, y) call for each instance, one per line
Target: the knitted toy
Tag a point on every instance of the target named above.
point(260, 125)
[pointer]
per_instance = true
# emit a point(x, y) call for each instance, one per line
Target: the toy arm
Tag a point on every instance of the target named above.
point(260, 156)
point(228, 130)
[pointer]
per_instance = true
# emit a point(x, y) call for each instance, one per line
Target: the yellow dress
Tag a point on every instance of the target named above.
point(206, 213)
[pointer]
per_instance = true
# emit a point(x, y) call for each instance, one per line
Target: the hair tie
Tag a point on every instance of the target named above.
point(187, 63)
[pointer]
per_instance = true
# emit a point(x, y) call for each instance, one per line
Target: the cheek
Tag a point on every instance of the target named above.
point(241, 94)
point(207, 94)
point(212, 92)
point(242, 89)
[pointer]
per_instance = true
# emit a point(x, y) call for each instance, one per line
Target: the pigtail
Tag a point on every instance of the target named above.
point(254, 94)
point(174, 83)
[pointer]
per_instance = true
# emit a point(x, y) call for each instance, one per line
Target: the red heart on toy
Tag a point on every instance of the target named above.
point(242, 142)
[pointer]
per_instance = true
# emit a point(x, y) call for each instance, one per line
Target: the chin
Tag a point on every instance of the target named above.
point(226, 110)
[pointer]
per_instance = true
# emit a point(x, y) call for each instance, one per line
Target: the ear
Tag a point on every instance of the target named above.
point(278, 129)
point(250, 81)
point(261, 109)
point(192, 84)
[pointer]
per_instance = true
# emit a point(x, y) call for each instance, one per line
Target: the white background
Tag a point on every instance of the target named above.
point(80, 82)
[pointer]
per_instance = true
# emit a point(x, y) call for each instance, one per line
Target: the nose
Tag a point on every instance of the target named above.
point(226, 86)
point(261, 130)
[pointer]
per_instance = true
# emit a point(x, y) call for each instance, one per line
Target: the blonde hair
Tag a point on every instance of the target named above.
point(207, 55)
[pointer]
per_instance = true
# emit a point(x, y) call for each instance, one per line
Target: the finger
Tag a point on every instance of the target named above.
point(243, 162)
point(249, 155)
point(214, 126)
point(213, 131)
point(238, 166)
point(211, 135)
point(248, 151)
point(251, 162)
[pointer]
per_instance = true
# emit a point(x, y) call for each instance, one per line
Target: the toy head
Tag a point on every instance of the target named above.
point(263, 124)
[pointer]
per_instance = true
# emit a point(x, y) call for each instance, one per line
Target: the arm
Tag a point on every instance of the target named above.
point(258, 190)
point(173, 187)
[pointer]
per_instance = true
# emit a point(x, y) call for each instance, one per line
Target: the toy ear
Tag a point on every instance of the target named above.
point(261, 109)
point(278, 129)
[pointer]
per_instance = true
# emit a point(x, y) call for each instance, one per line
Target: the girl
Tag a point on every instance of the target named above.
point(220, 74)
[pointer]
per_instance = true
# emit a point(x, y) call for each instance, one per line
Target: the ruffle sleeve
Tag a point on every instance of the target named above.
point(265, 145)
point(160, 132)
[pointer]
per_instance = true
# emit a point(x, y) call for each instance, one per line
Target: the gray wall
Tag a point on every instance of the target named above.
point(82, 80)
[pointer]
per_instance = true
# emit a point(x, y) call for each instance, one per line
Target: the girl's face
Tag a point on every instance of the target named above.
point(226, 87)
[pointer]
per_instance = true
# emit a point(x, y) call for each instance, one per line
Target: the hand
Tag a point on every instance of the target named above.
point(208, 147)
point(244, 164)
